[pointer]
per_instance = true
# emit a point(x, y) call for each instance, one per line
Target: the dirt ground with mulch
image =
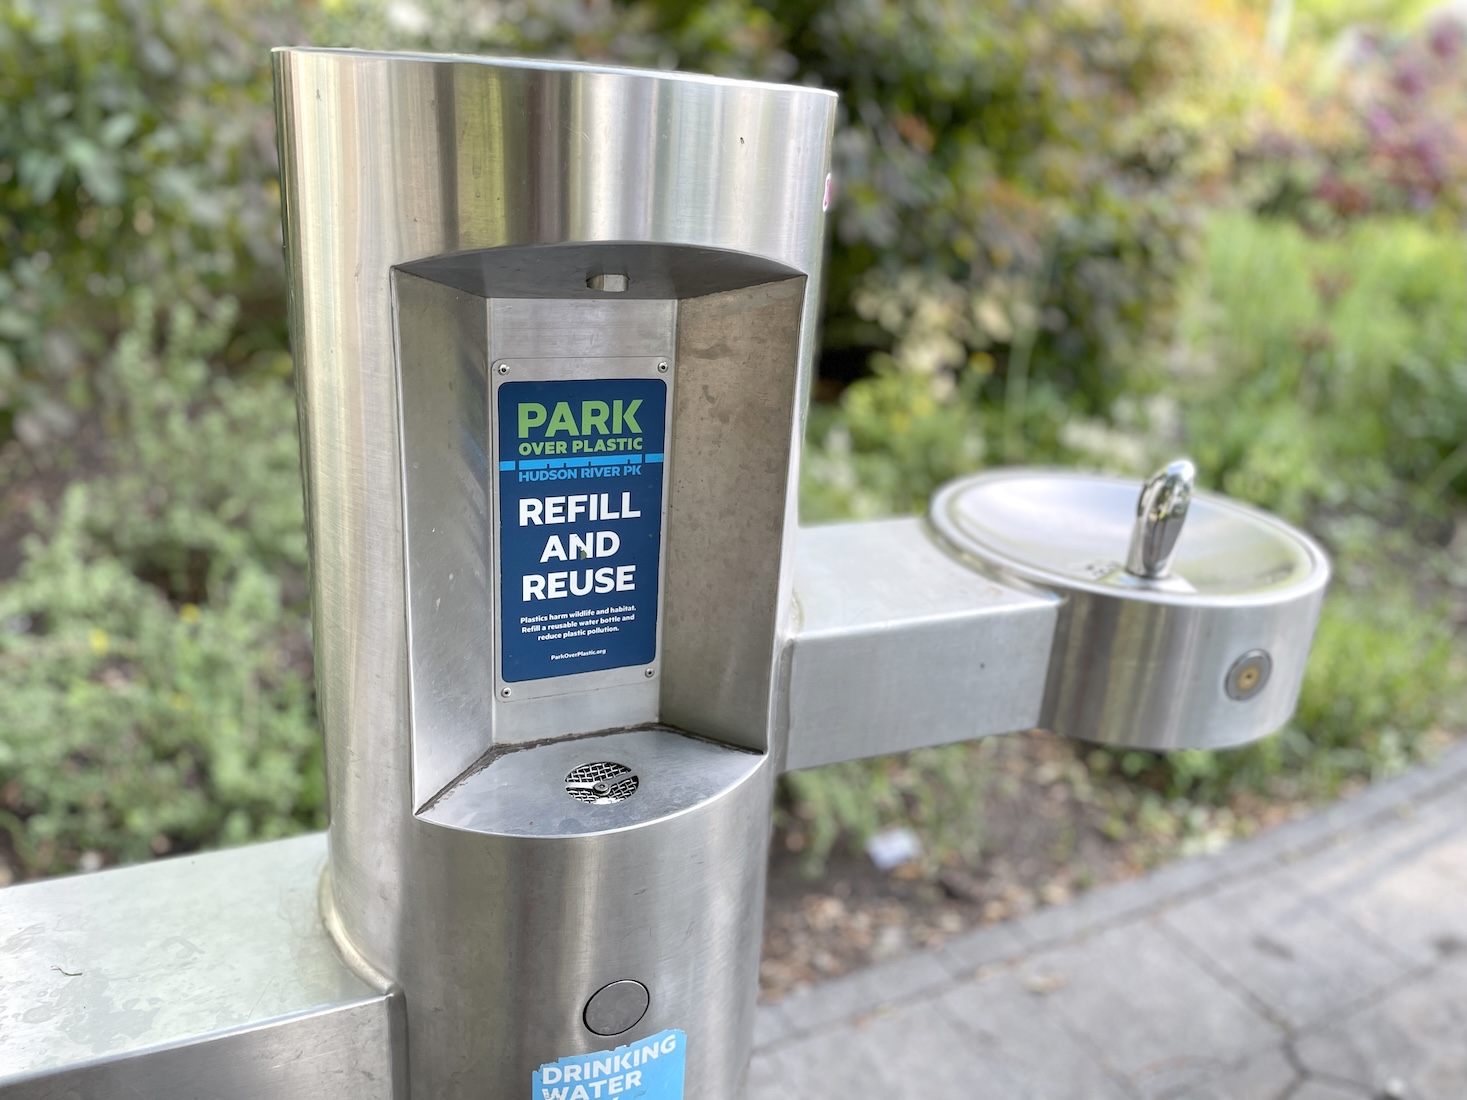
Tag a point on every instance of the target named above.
point(1048, 831)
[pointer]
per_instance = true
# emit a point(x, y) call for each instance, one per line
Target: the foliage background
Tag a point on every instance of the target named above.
point(1066, 232)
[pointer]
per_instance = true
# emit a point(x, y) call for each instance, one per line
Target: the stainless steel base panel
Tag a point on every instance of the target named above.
point(519, 903)
point(201, 976)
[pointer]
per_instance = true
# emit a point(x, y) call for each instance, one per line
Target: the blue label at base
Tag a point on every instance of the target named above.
point(649, 1069)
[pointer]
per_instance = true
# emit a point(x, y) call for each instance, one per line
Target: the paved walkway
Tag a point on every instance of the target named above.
point(1325, 960)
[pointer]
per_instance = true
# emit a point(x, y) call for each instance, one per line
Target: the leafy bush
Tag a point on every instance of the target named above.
point(1330, 373)
point(1383, 131)
point(154, 644)
point(1020, 182)
point(887, 445)
point(136, 149)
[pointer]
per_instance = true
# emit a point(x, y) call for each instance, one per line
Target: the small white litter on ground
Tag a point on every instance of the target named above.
point(893, 847)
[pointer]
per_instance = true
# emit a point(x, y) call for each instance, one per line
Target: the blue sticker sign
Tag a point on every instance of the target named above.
point(649, 1069)
point(580, 524)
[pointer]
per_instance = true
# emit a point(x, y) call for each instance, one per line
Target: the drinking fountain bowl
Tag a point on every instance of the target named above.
point(1186, 619)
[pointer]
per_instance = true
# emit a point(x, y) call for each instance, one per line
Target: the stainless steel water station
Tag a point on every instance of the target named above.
point(554, 328)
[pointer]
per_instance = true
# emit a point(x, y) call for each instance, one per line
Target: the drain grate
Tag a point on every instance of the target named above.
point(601, 783)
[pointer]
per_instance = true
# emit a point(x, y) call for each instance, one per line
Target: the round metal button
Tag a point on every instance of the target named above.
point(614, 1008)
point(1248, 675)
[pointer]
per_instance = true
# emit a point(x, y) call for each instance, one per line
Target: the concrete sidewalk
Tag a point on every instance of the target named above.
point(1325, 960)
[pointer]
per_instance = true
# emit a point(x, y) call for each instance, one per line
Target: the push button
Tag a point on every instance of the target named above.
point(614, 1008)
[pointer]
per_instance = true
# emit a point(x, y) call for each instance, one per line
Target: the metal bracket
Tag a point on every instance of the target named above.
point(901, 646)
point(203, 976)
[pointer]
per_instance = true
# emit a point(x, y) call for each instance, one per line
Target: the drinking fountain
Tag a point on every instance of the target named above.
point(554, 329)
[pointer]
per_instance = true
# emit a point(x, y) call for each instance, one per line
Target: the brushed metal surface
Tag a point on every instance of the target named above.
point(617, 1007)
point(1070, 531)
point(443, 350)
point(900, 645)
point(526, 901)
point(657, 270)
point(546, 328)
point(1161, 511)
point(733, 509)
point(522, 791)
point(390, 160)
point(198, 976)
point(1137, 662)
point(1152, 676)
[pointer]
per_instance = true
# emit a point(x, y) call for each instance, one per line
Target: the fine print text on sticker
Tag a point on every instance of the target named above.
point(580, 524)
point(649, 1069)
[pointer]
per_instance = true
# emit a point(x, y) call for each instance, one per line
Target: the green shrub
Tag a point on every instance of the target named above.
point(1384, 672)
point(886, 446)
point(136, 149)
point(1329, 373)
point(1019, 180)
point(154, 645)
